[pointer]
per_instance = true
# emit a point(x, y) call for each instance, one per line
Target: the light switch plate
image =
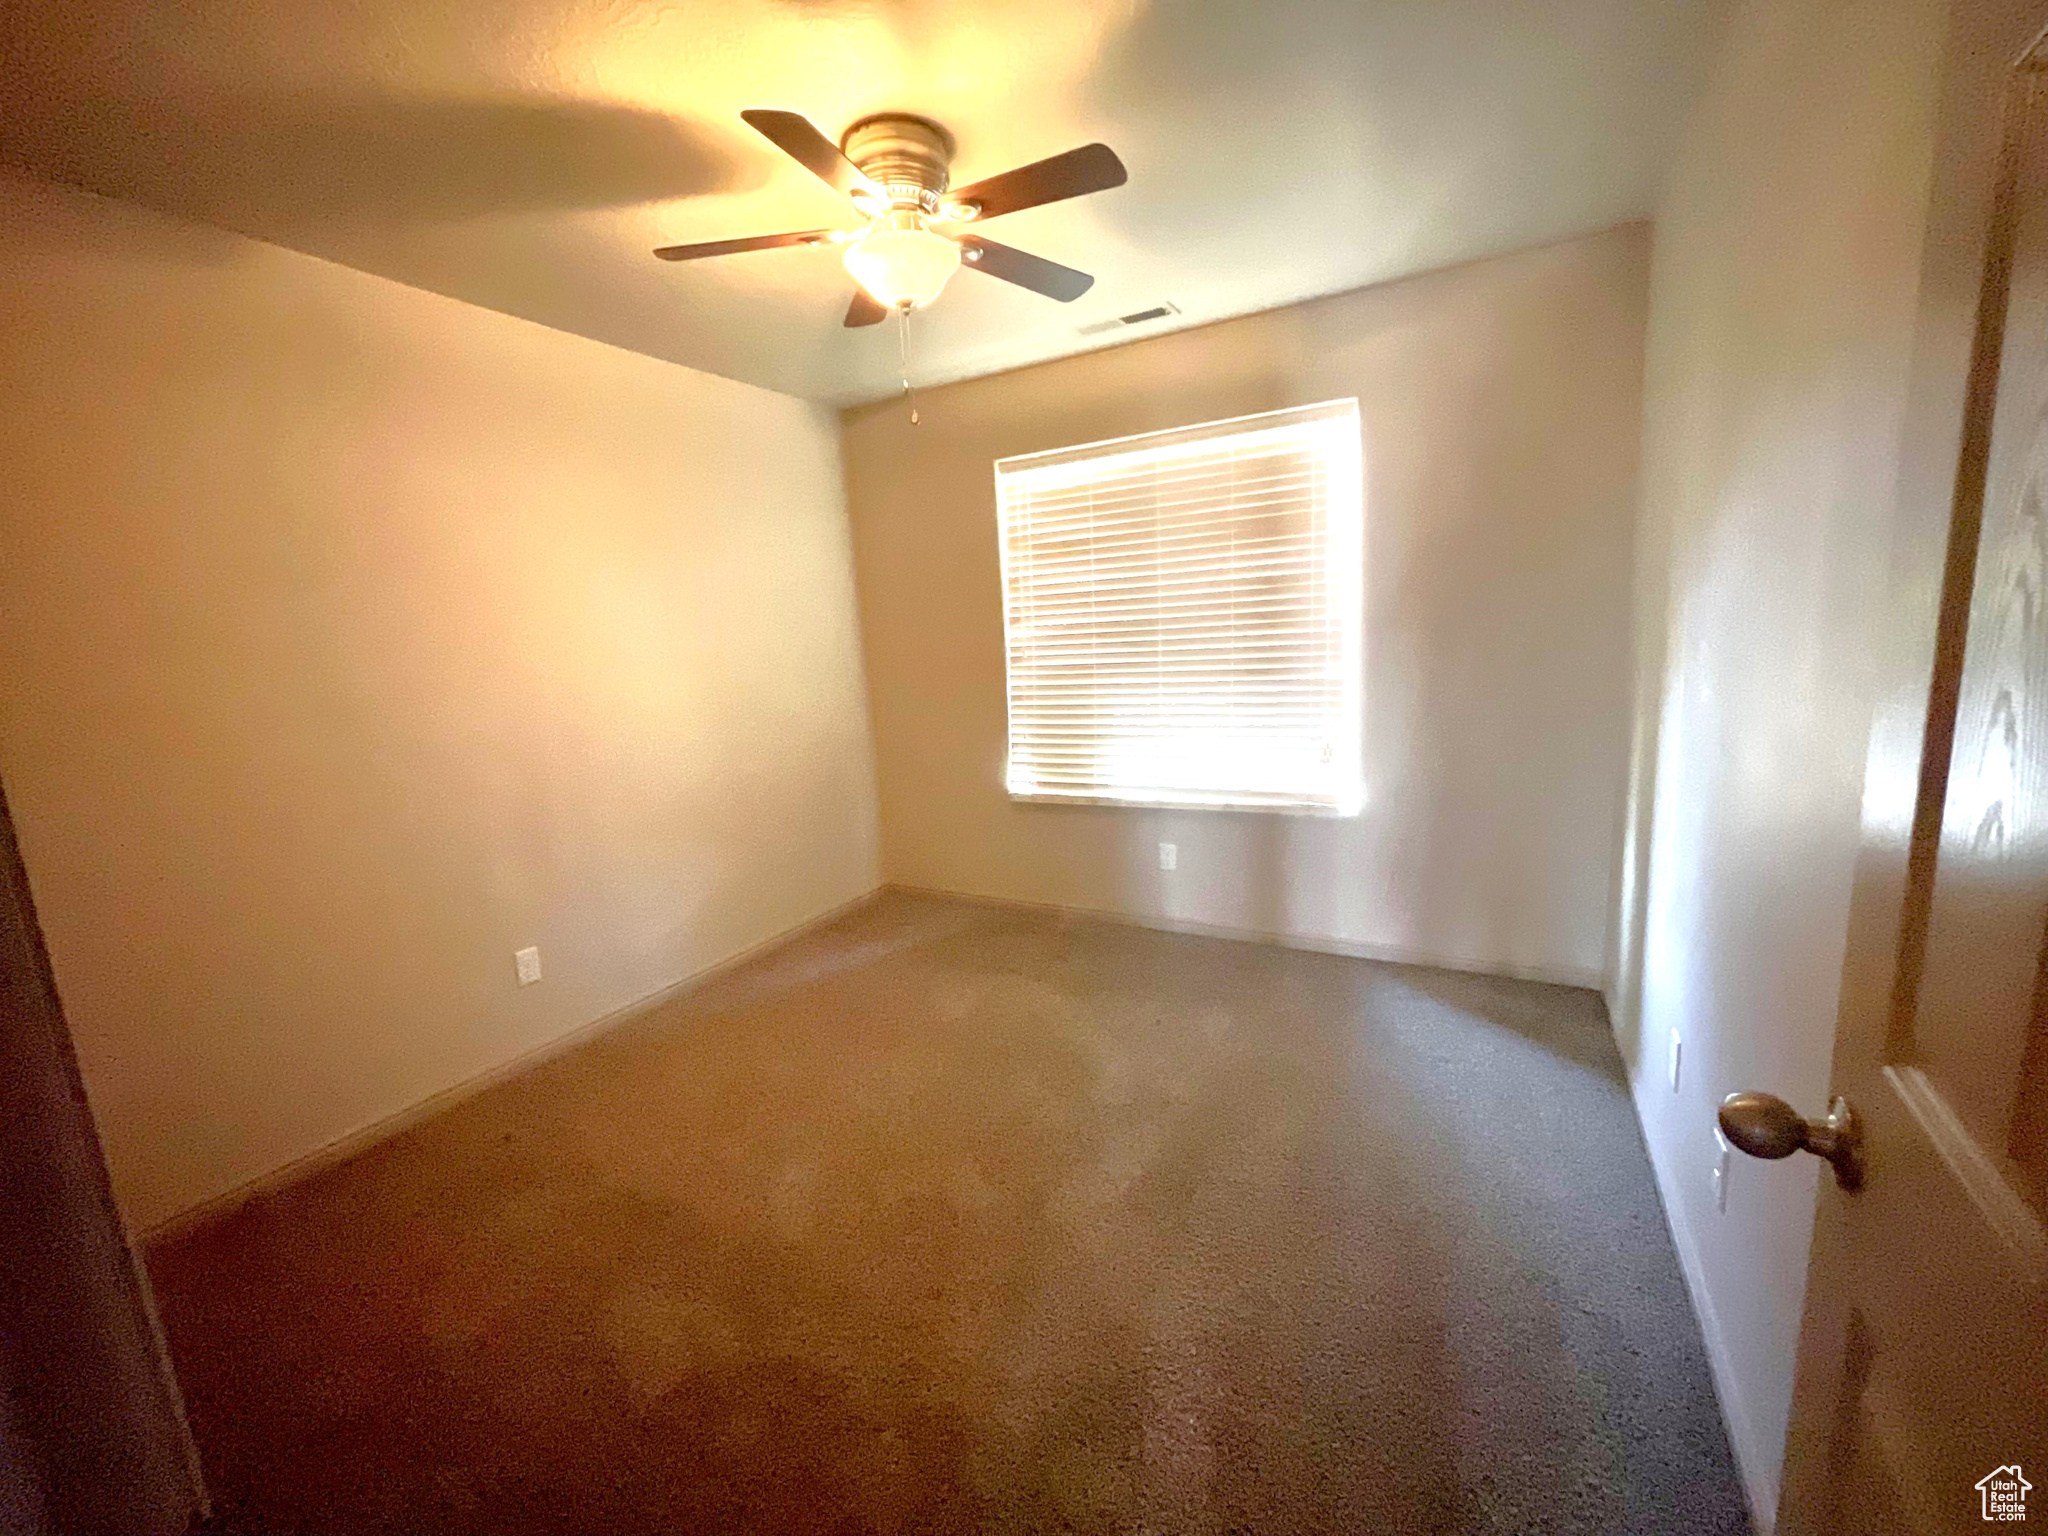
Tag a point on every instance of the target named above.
point(1169, 855)
point(527, 963)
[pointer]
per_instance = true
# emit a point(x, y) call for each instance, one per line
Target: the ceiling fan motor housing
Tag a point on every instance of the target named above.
point(908, 157)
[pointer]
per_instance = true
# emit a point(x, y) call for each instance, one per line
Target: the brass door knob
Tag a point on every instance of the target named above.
point(1764, 1125)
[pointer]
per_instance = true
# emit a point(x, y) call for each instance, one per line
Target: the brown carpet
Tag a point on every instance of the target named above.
point(952, 1218)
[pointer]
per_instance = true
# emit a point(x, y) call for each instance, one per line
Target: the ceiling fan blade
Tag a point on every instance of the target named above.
point(1025, 269)
point(1091, 168)
point(750, 243)
point(796, 136)
point(865, 309)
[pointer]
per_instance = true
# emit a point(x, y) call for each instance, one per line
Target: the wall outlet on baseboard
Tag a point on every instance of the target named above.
point(1169, 855)
point(1677, 1051)
point(526, 962)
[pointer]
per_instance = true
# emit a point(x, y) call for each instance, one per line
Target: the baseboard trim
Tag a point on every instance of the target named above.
point(1322, 944)
point(350, 1143)
point(1759, 1490)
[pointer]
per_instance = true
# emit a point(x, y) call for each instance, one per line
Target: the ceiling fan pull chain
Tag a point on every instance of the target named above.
point(904, 333)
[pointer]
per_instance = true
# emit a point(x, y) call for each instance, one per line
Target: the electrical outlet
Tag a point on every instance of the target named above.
point(1677, 1050)
point(1169, 855)
point(526, 962)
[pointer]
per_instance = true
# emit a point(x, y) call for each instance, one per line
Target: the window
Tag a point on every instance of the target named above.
point(1181, 614)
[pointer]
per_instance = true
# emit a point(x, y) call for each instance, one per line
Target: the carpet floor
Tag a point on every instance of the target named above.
point(947, 1217)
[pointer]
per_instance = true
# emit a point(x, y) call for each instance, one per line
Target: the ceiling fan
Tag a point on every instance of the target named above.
point(894, 168)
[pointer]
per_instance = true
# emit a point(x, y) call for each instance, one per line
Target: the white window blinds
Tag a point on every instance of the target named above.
point(1182, 615)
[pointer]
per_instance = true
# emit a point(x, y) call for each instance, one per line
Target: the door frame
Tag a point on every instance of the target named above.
point(97, 1396)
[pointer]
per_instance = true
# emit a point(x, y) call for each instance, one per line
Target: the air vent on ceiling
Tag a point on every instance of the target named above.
point(1136, 317)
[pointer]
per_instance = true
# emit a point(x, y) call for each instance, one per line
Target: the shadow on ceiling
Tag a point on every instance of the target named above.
point(307, 163)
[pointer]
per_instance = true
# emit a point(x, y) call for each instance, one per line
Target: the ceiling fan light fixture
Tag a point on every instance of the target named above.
point(896, 168)
point(900, 262)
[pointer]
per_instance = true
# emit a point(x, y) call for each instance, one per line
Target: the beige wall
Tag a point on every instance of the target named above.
point(1782, 301)
point(1500, 406)
point(354, 638)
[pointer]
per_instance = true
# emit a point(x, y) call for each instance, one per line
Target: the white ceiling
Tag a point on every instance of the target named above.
point(527, 154)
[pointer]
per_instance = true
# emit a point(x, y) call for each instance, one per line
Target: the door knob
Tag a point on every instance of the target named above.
point(1764, 1125)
